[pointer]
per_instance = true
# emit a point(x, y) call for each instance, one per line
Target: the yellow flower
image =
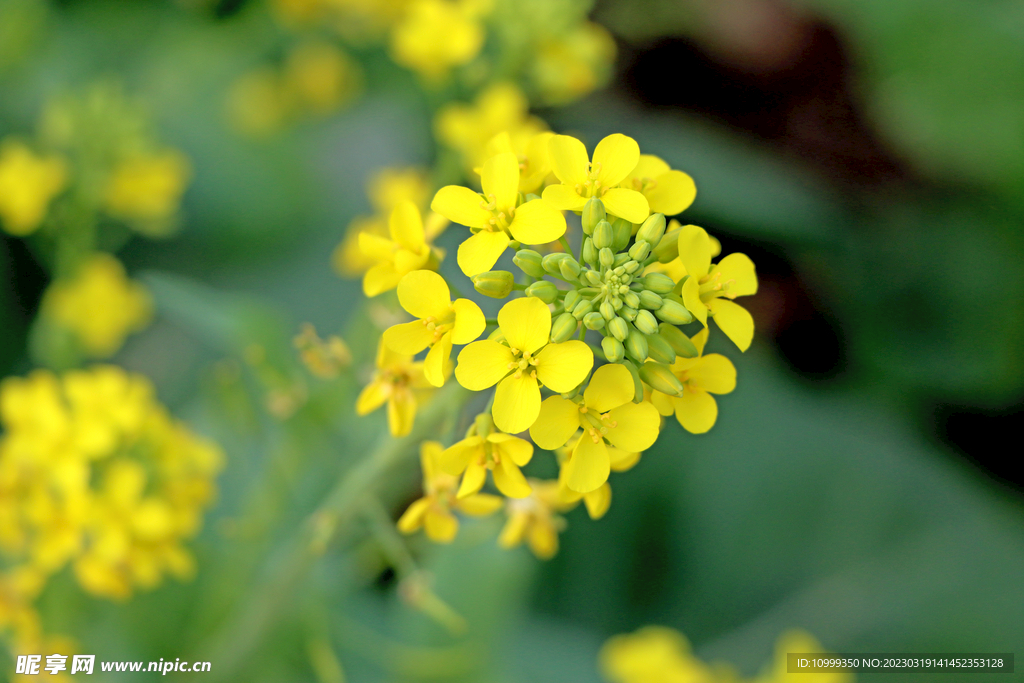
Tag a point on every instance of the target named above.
point(435, 36)
point(675, 268)
point(27, 185)
point(702, 376)
point(441, 322)
point(406, 251)
point(258, 103)
point(396, 382)
point(100, 305)
point(574, 63)
point(535, 519)
point(433, 512)
point(615, 157)
point(731, 277)
point(148, 187)
point(320, 77)
point(654, 654)
point(667, 191)
point(534, 161)
point(325, 359)
point(799, 641)
point(494, 215)
point(468, 129)
point(521, 362)
point(605, 412)
point(502, 454)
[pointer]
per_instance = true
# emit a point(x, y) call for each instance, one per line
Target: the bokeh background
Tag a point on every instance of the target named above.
point(861, 483)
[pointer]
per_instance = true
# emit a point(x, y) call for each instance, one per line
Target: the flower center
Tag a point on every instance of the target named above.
point(522, 363)
point(712, 287)
point(440, 325)
point(591, 187)
point(501, 217)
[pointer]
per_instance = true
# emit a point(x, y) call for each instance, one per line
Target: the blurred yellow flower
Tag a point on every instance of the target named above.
point(100, 305)
point(799, 641)
point(668, 191)
point(731, 277)
point(325, 359)
point(440, 322)
point(436, 35)
point(702, 376)
point(469, 128)
point(483, 450)
point(93, 471)
point(434, 511)
point(615, 157)
point(398, 381)
point(534, 160)
point(146, 189)
point(535, 519)
point(494, 216)
point(653, 654)
point(521, 363)
point(320, 77)
point(408, 249)
point(258, 104)
point(569, 65)
point(28, 182)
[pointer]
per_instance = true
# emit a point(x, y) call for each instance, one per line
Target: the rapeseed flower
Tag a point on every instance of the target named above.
point(434, 512)
point(496, 216)
point(615, 157)
point(654, 654)
point(406, 250)
point(703, 290)
point(440, 322)
point(398, 381)
point(484, 449)
point(28, 183)
point(668, 191)
point(573, 63)
point(532, 153)
point(695, 408)
point(535, 519)
point(320, 77)
point(436, 35)
point(146, 189)
point(99, 305)
point(521, 362)
point(605, 412)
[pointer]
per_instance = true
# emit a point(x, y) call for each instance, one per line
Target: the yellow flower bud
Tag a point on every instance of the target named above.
point(529, 262)
point(593, 320)
point(543, 290)
point(593, 214)
point(496, 284)
point(674, 312)
point(679, 342)
point(652, 230)
point(660, 350)
point(646, 323)
point(660, 377)
point(659, 283)
point(563, 327)
point(619, 328)
point(636, 346)
point(613, 350)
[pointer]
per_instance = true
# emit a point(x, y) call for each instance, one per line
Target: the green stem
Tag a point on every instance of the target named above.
point(519, 287)
point(491, 321)
point(566, 245)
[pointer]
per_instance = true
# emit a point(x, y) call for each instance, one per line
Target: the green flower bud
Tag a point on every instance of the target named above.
point(628, 313)
point(660, 377)
point(631, 266)
point(570, 268)
point(622, 231)
point(543, 290)
point(593, 320)
point(613, 350)
point(594, 278)
point(551, 262)
point(679, 342)
point(621, 260)
point(636, 346)
point(638, 386)
point(674, 312)
point(618, 328)
point(529, 262)
point(640, 250)
point(593, 213)
point(668, 247)
point(607, 257)
point(652, 229)
point(660, 350)
point(646, 323)
point(589, 252)
point(631, 299)
point(582, 308)
point(494, 283)
point(607, 310)
point(484, 424)
point(563, 328)
point(603, 235)
point(659, 283)
point(650, 300)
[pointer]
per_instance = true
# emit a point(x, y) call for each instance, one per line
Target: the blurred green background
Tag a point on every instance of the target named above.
point(860, 482)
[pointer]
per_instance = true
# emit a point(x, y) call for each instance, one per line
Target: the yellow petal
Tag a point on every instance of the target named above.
point(543, 540)
point(610, 387)
point(482, 364)
point(617, 155)
point(412, 519)
point(457, 457)
point(536, 222)
point(735, 321)
point(691, 299)
point(714, 373)
point(381, 278)
point(441, 526)
point(563, 198)
point(460, 205)
point(469, 321)
point(598, 501)
point(401, 412)
point(520, 450)
point(480, 504)
point(472, 480)
point(672, 193)
point(479, 253)
point(700, 340)
point(696, 411)
point(739, 269)
point(510, 481)
point(648, 168)
point(430, 459)
point(628, 204)
point(695, 251)
point(372, 397)
point(500, 178)
point(516, 404)
point(526, 323)
point(622, 460)
point(437, 359)
point(514, 530)
point(557, 422)
point(636, 426)
point(502, 142)
point(425, 294)
point(569, 159)
point(406, 226)
point(407, 261)
point(408, 338)
point(376, 247)
point(589, 465)
point(663, 402)
point(561, 367)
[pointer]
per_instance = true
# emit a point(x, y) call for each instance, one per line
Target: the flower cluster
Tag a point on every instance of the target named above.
point(588, 355)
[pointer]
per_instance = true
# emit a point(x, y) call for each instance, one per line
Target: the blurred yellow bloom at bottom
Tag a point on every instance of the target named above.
point(535, 519)
point(653, 654)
